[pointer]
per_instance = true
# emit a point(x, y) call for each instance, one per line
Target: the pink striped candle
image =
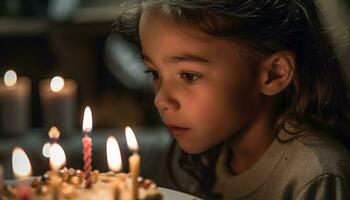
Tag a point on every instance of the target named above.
point(87, 146)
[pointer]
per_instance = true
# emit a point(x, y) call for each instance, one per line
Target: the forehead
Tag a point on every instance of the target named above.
point(162, 33)
point(154, 20)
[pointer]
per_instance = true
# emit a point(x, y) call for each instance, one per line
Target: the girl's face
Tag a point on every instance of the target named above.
point(204, 90)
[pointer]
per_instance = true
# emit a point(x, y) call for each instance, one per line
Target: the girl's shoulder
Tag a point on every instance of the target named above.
point(315, 161)
point(320, 152)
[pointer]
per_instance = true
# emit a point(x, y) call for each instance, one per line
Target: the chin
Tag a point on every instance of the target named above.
point(192, 148)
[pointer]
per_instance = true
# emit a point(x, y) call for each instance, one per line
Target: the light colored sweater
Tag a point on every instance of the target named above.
point(309, 166)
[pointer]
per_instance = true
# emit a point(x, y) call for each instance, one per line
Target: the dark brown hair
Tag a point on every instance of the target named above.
point(317, 97)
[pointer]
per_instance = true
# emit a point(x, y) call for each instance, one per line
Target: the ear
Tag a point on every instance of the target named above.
point(277, 72)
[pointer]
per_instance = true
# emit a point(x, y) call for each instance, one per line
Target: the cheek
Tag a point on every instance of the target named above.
point(226, 110)
point(209, 113)
point(156, 86)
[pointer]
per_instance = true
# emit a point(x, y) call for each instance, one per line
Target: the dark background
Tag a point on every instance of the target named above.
point(43, 38)
point(40, 39)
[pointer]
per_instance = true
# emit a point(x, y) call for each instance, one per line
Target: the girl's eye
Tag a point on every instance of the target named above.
point(190, 77)
point(154, 73)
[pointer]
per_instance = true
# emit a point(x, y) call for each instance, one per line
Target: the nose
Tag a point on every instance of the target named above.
point(165, 99)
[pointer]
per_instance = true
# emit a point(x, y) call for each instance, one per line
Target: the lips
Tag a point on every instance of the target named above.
point(177, 130)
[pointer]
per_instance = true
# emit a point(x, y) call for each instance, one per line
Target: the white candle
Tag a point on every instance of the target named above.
point(15, 97)
point(58, 100)
point(113, 154)
point(22, 170)
point(134, 162)
point(57, 160)
point(114, 163)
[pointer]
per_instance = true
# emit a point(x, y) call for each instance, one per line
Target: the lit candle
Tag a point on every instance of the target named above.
point(114, 162)
point(134, 162)
point(54, 134)
point(21, 169)
point(14, 104)
point(57, 157)
point(87, 146)
point(58, 100)
point(57, 160)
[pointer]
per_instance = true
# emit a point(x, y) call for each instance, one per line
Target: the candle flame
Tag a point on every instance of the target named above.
point(57, 84)
point(20, 163)
point(57, 156)
point(46, 150)
point(54, 133)
point(131, 139)
point(87, 119)
point(113, 154)
point(10, 78)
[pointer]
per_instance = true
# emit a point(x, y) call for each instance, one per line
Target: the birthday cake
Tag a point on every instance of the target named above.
point(106, 186)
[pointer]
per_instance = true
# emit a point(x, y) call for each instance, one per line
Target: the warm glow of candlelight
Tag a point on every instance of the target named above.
point(54, 133)
point(113, 154)
point(10, 78)
point(57, 156)
point(87, 120)
point(20, 163)
point(46, 150)
point(57, 84)
point(131, 139)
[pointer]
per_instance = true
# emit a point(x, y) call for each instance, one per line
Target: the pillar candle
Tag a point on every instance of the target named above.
point(15, 98)
point(58, 101)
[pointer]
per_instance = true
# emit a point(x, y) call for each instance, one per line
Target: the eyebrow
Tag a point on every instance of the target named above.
point(179, 58)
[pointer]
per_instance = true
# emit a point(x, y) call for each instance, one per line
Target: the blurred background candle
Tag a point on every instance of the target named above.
point(15, 96)
point(54, 135)
point(58, 101)
point(22, 170)
point(134, 162)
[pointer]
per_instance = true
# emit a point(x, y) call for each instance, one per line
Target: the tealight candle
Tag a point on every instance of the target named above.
point(21, 169)
point(15, 99)
point(87, 146)
point(134, 162)
point(114, 162)
point(58, 100)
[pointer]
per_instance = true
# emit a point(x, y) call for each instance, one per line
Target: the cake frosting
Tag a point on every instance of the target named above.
point(106, 186)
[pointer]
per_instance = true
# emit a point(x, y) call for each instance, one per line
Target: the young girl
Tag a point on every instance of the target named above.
point(252, 92)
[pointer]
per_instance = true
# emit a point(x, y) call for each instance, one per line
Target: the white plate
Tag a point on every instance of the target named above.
point(175, 195)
